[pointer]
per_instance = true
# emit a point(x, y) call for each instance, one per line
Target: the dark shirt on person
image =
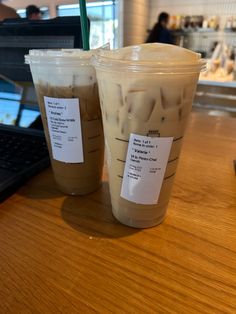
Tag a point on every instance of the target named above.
point(160, 34)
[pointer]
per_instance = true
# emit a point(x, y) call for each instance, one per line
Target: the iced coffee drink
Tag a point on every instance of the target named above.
point(146, 94)
point(67, 92)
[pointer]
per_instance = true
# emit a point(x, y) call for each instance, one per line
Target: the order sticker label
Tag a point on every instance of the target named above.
point(64, 124)
point(145, 167)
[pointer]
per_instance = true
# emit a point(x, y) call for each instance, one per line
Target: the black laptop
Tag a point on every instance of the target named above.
point(23, 150)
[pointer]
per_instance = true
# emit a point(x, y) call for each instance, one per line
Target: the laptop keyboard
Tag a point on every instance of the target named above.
point(20, 151)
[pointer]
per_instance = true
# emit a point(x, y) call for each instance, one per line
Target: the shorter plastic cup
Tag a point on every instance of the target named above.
point(146, 95)
point(67, 92)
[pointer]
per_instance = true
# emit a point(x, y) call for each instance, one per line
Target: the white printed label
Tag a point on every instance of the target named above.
point(145, 167)
point(64, 124)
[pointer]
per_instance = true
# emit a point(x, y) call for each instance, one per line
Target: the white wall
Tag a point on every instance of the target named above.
point(138, 15)
point(222, 8)
point(135, 21)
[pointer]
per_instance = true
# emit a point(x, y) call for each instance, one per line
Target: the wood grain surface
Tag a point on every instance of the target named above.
point(61, 254)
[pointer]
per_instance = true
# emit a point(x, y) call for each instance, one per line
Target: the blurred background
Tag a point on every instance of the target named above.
point(196, 24)
point(207, 27)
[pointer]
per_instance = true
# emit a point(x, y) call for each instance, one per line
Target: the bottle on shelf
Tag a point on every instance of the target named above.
point(229, 23)
point(234, 22)
point(205, 23)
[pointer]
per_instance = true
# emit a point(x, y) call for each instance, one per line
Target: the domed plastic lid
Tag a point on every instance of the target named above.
point(59, 56)
point(151, 56)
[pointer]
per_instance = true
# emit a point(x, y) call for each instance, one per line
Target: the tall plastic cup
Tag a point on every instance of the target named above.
point(146, 95)
point(67, 92)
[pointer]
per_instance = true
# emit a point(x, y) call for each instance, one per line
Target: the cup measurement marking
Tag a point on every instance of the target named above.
point(94, 136)
point(122, 140)
point(173, 160)
point(121, 160)
point(94, 150)
point(166, 178)
point(89, 120)
point(177, 139)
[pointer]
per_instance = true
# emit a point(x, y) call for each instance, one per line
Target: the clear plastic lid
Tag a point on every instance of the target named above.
point(59, 56)
point(150, 58)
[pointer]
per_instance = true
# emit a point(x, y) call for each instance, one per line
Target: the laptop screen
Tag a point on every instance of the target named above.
point(18, 104)
point(18, 101)
point(29, 110)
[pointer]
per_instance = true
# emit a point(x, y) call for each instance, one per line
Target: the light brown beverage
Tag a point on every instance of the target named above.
point(71, 80)
point(152, 100)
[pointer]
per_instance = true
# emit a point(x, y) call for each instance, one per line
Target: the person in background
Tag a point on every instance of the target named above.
point(160, 32)
point(7, 12)
point(33, 13)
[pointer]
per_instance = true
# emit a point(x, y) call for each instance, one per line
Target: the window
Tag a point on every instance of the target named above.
point(103, 18)
point(44, 10)
point(21, 12)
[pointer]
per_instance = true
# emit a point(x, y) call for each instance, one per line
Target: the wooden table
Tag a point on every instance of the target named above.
point(62, 254)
